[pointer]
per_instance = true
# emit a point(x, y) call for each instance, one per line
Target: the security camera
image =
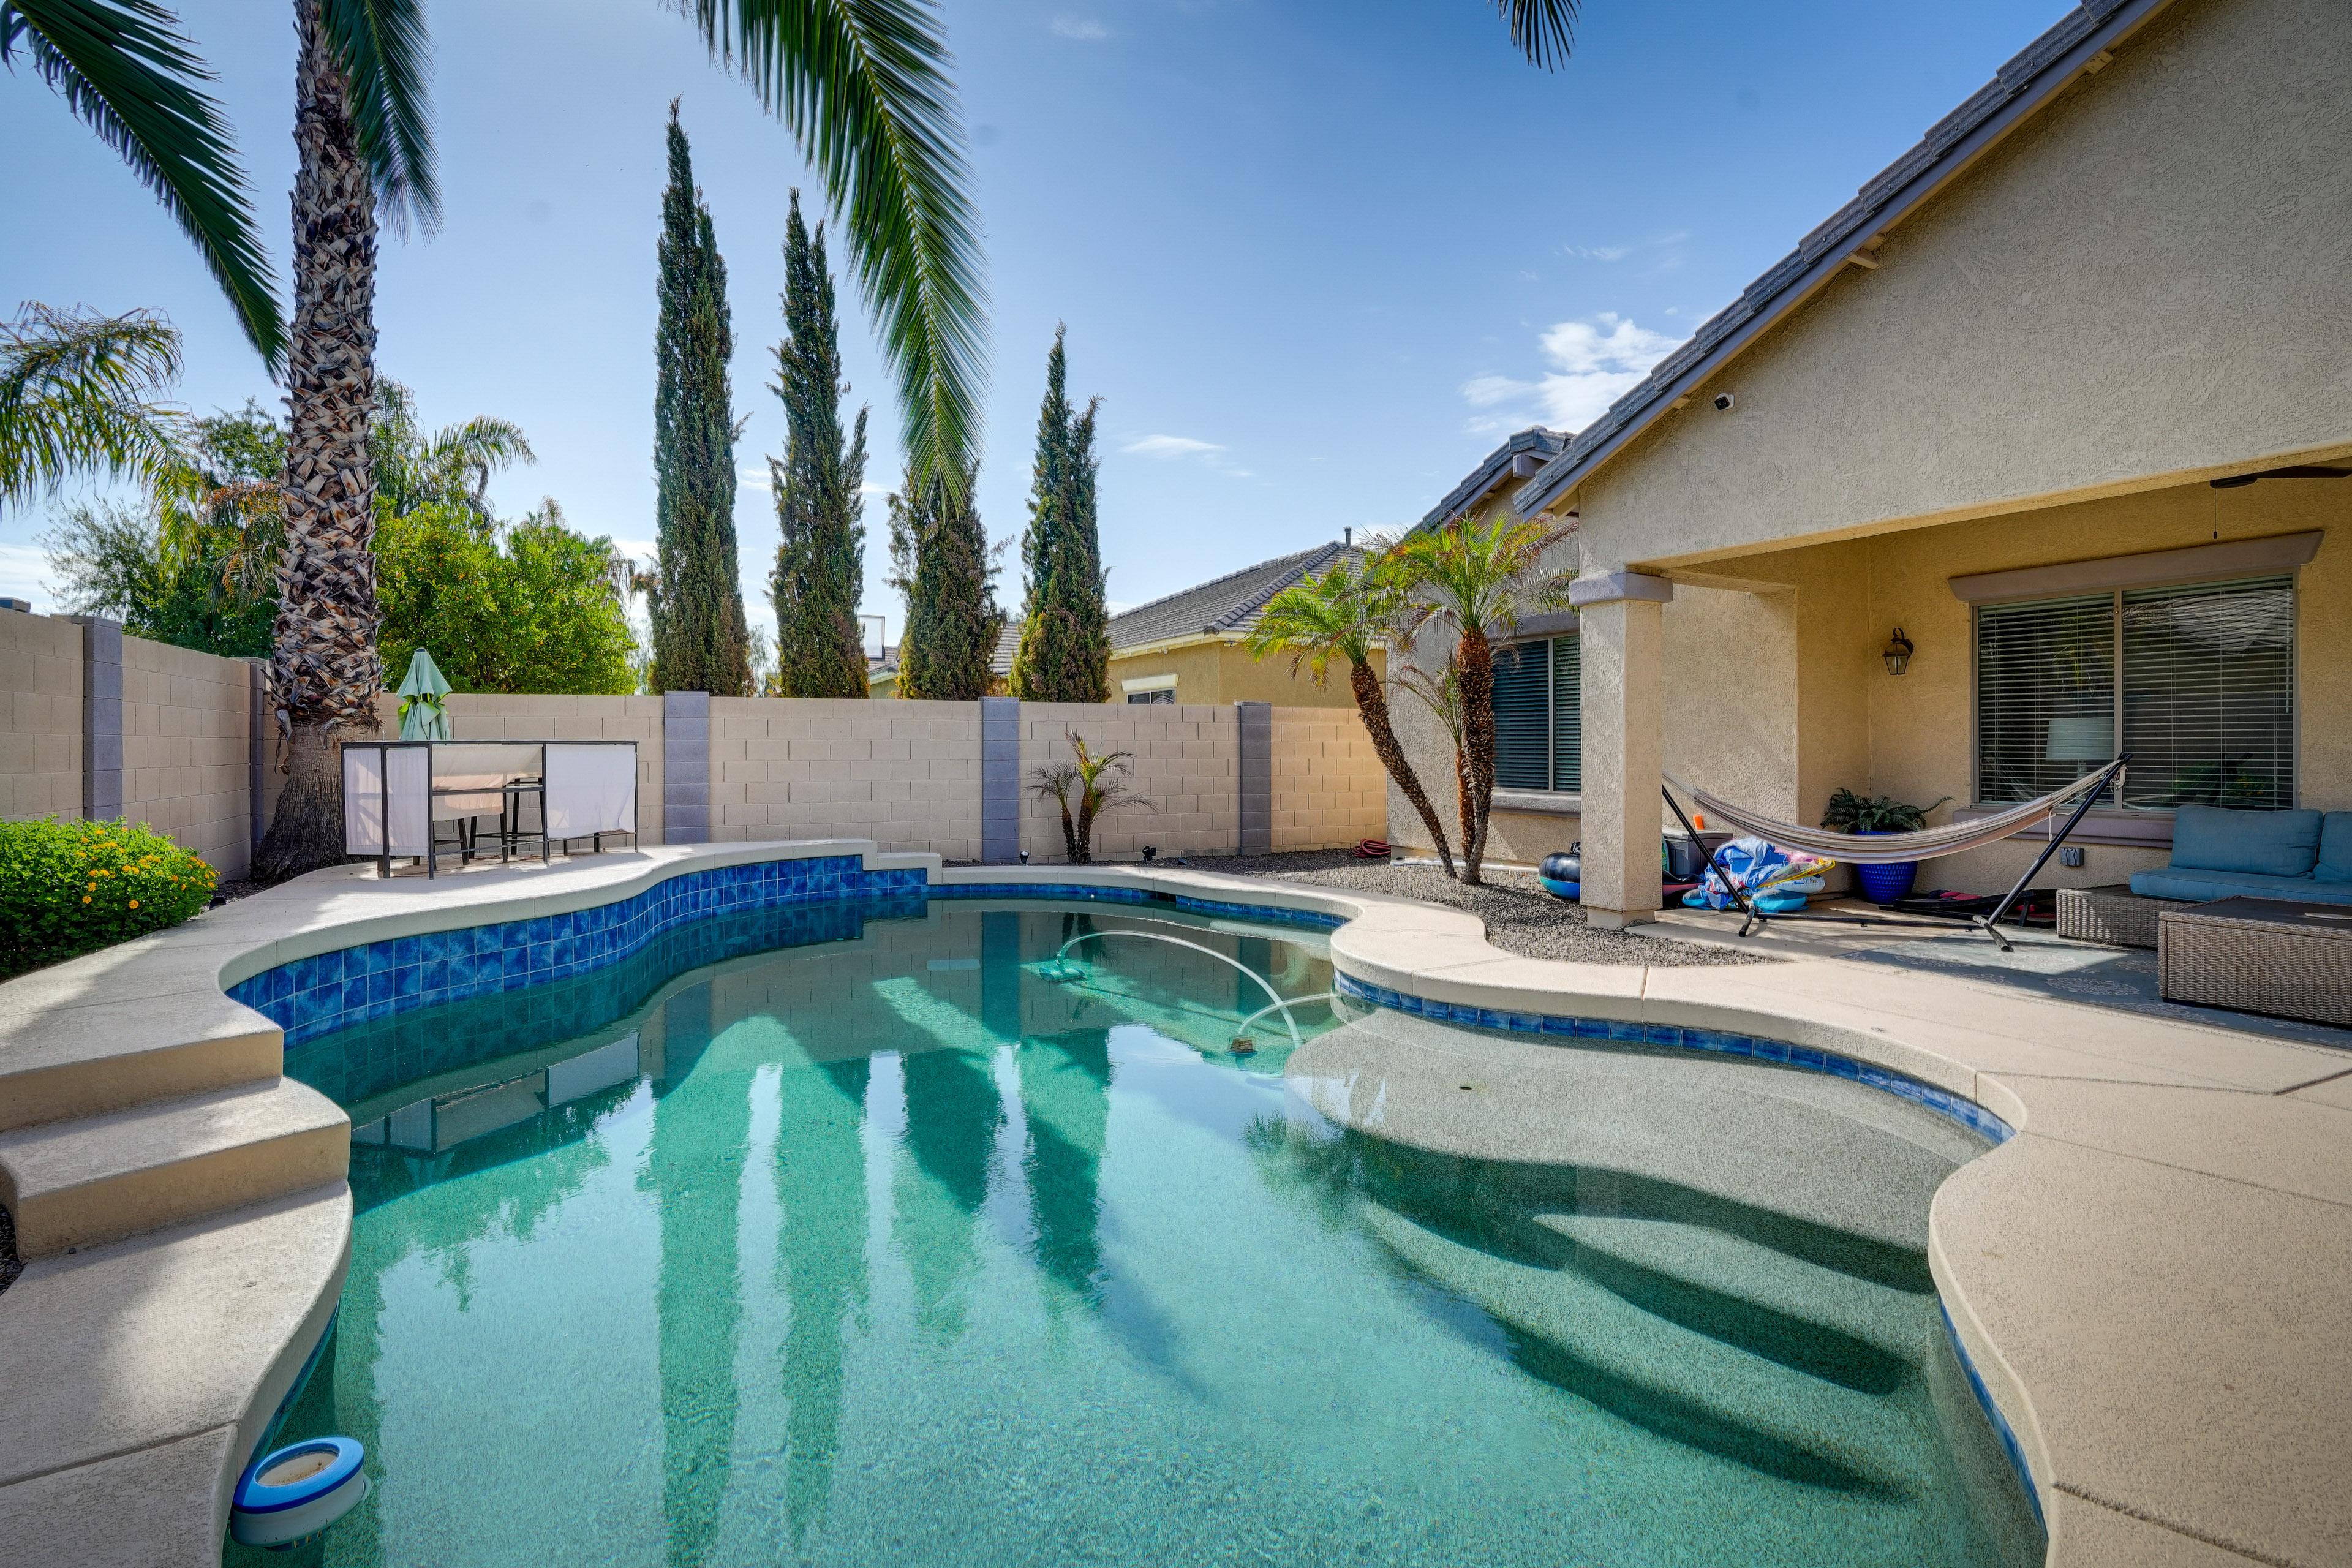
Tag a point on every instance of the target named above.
point(1723, 403)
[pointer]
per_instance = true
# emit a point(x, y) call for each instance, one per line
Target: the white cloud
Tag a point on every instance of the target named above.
point(1166, 446)
point(1594, 362)
point(24, 575)
point(1085, 28)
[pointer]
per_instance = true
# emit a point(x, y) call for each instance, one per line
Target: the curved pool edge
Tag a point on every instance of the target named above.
point(2045, 1366)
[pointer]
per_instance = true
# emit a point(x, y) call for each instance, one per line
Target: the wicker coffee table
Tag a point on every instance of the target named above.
point(2281, 956)
point(2114, 915)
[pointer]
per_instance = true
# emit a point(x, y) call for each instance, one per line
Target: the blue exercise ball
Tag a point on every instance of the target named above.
point(1562, 873)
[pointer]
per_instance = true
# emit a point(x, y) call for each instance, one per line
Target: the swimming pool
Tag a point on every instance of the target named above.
point(884, 1239)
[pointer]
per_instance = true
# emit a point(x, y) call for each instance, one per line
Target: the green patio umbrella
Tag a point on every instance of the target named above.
point(422, 715)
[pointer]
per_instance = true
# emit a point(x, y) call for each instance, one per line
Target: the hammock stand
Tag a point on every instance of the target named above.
point(2090, 786)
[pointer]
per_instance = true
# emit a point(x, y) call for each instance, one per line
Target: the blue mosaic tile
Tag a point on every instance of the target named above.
point(2001, 1428)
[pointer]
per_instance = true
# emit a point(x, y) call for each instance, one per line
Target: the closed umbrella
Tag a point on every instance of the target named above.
point(423, 716)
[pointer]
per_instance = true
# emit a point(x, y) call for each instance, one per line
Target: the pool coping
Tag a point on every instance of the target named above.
point(2147, 1263)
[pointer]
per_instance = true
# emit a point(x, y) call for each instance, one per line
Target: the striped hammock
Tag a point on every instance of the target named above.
point(1894, 848)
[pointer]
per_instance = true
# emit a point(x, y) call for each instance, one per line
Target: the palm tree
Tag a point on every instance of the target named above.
point(125, 71)
point(77, 392)
point(1473, 580)
point(1085, 792)
point(1440, 691)
point(1344, 614)
point(863, 85)
point(452, 466)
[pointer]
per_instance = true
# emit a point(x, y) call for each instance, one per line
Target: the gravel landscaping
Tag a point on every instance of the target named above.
point(1520, 916)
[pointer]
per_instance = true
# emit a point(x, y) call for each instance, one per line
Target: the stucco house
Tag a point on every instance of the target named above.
point(1194, 646)
point(2062, 400)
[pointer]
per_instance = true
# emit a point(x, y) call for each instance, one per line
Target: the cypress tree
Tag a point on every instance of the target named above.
point(821, 562)
point(701, 641)
point(952, 621)
point(1065, 653)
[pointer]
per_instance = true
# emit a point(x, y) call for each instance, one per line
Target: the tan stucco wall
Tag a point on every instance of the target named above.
point(1224, 672)
point(40, 683)
point(2143, 282)
point(187, 722)
point(905, 774)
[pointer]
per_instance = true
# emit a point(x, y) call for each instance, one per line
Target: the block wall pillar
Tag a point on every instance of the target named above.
point(1624, 743)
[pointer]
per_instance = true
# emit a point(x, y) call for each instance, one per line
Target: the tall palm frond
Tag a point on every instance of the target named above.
point(384, 53)
point(123, 68)
point(77, 394)
point(863, 84)
point(1543, 30)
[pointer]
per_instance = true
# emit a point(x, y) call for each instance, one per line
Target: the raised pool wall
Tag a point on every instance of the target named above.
point(2152, 1256)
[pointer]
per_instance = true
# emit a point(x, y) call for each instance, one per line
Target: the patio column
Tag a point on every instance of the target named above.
point(1625, 742)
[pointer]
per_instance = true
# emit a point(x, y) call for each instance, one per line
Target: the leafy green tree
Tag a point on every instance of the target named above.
point(196, 566)
point(127, 73)
point(821, 562)
point(701, 642)
point(943, 567)
point(1064, 652)
point(523, 606)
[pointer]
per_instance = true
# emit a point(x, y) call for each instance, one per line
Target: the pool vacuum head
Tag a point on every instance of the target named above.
point(290, 1497)
point(1242, 1046)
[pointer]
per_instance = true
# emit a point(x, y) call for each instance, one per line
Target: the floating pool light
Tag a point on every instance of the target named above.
point(292, 1496)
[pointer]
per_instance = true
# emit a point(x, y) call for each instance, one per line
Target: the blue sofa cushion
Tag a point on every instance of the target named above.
point(2336, 849)
point(2203, 886)
point(2267, 843)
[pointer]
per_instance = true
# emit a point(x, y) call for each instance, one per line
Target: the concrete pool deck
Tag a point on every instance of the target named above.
point(2148, 1277)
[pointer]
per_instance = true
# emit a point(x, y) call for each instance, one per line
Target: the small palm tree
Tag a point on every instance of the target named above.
point(1473, 580)
point(125, 70)
point(77, 394)
point(1346, 614)
point(1087, 791)
point(1440, 691)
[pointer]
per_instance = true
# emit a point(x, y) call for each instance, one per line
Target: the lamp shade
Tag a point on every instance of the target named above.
point(2082, 739)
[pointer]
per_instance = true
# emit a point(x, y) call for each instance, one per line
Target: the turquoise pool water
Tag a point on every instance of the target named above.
point(893, 1247)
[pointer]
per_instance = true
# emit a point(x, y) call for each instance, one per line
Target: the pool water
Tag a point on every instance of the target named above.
point(907, 1246)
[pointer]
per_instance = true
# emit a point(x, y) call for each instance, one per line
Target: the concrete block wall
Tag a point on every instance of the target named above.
point(905, 774)
point(1187, 761)
point(41, 688)
point(1329, 786)
point(187, 723)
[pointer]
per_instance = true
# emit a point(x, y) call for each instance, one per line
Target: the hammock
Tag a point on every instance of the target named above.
point(1895, 849)
point(1883, 848)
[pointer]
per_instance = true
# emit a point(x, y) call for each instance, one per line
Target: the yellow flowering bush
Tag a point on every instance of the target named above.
point(71, 888)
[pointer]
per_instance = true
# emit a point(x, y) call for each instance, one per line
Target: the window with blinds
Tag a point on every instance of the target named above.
point(2197, 682)
point(1539, 740)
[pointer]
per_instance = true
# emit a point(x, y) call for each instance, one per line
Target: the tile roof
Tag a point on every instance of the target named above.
point(2028, 79)
point(1228, 607)
point(1498, 465)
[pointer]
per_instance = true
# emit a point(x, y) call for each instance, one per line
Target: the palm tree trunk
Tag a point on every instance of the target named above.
point(325, 672)
point(1372, 707)
point(1474, 664)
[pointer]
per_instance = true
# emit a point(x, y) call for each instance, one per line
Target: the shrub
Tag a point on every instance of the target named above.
point(71, 888)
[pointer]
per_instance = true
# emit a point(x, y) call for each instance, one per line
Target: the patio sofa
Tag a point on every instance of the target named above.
point(2220, 854)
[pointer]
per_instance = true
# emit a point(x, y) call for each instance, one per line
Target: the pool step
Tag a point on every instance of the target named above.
point(96, 1178)
point(1676, 1381)
point(76, 1060)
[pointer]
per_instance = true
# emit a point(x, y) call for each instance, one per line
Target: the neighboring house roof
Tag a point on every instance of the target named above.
point(1227, 607)
point(2078, 43)
point(1523, 455)
point(1008, 642)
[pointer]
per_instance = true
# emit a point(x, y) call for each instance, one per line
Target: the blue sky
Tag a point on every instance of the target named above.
point(1316, 258)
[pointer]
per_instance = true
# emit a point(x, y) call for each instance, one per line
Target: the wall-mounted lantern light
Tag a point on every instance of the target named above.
point(1898, 653)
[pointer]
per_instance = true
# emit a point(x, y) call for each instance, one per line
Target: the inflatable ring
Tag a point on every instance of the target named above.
point(287, 1498)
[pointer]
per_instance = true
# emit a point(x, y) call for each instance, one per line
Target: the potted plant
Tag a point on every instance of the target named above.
point(1874, 814)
